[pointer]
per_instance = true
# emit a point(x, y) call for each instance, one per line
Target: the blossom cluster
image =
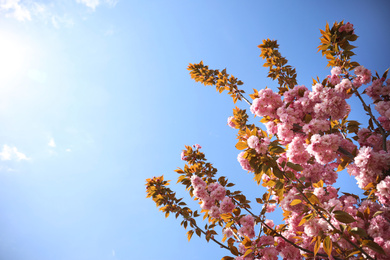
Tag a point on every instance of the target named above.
point(302, 120)
point(212, 196)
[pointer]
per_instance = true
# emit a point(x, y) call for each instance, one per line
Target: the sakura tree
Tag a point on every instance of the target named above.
point(309, 141)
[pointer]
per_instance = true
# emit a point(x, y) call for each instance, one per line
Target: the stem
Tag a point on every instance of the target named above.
point(244, 98)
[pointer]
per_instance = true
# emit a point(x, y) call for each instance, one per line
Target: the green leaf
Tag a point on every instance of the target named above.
point(374, 246)
point(278, 173)
point(294, 166)
point(343, 216)
point(359, 231)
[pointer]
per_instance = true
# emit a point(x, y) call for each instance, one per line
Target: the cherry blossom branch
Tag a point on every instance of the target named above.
point(212, 238)
point(285, 239)
point(368, 109)
point(328, 220)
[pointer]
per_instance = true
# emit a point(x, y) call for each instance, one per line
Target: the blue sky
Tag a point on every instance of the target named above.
point(95, 98)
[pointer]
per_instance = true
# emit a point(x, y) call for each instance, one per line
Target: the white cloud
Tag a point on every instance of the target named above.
point(68, 150)
point(111, 3)
point(11, 153)
point(89, 3)
point(46, 11)
point(16, 10)
point(51, 143)
point(57, 21)
point(95, 3)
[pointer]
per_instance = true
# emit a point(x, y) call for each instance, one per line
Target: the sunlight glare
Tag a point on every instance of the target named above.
point(14, 56)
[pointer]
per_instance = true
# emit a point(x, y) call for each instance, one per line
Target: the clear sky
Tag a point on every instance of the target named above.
point(95, 98)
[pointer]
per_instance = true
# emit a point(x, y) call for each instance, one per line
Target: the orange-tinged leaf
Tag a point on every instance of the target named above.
point(327, 245)
point(317, 246)
point(305, 218)
point(295, 202)
point(241, 145)
point(247, 252)
point(189, 234)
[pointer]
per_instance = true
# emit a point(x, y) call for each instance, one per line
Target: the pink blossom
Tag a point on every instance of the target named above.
point(230, 122)
point(324, 148)
point(207, 203)
point(363, 76)
point(383, 191)
point(227, 206)
point(342, 88)
point(297, 150)
point(316, 125)
point(368, 164)
point(201, 193)
point(272, 128)
point(385, 122)
point(383, 107)
point(247, 226)
point(379, 227)
point(266, 240)
point(269, 253)
point(253, 141)
point(336, 71)
point(197, 182)
point(334, 79)
point(314, 226)
point(260, 145)
point(183, 156)
point(227, 232)
point(218, 193)
point(376, 89)
point(214, 212)
point(267, 103)
point(269, 223)
point(244, 162)
point(270, 208)
point(348, 27)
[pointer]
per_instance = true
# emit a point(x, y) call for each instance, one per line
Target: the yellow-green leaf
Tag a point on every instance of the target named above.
point(294, 166)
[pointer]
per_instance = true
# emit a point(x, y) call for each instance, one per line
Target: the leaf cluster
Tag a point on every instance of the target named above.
point(335, 46)
point(221, 79)
point(278, 68)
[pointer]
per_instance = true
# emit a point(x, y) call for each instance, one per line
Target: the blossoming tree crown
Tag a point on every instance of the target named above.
point(308, 142)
